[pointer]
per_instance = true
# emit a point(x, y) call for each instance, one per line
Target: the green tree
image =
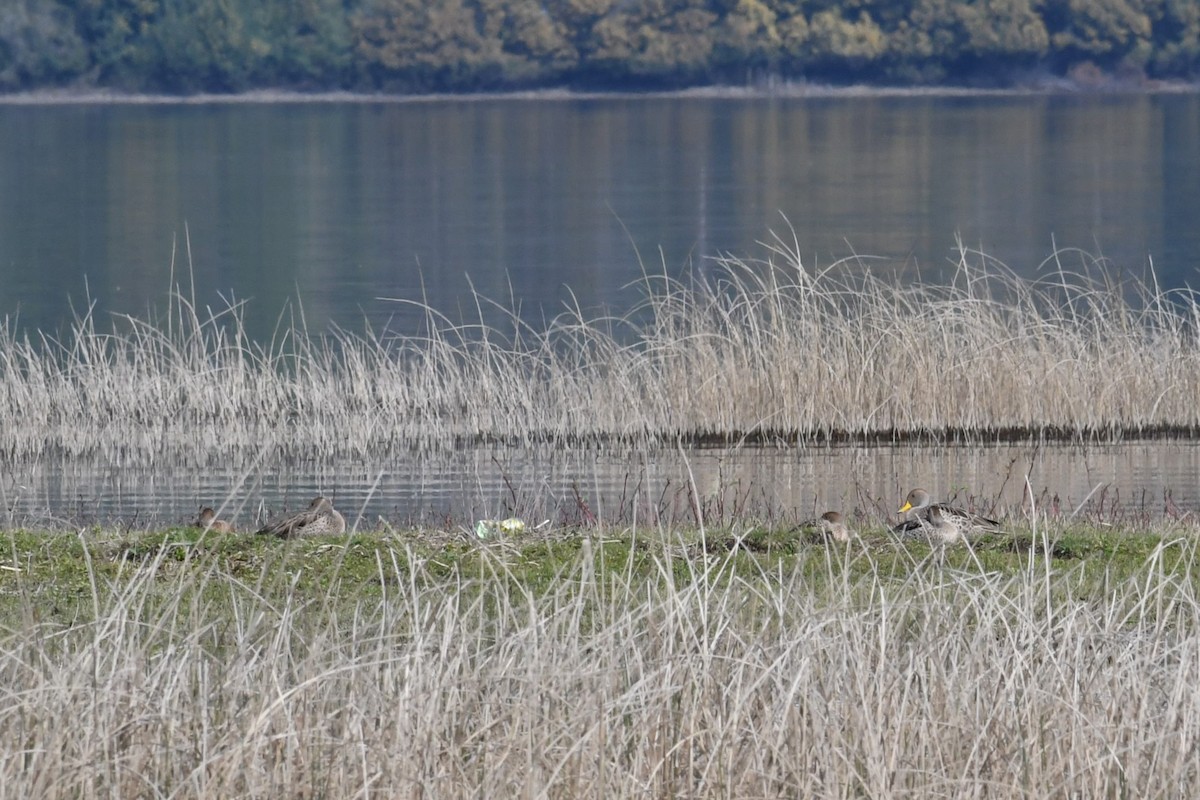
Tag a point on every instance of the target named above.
point(968, 36)
point(844, 43)
point(304, 43)
point(1010, 29)
point(791, 25)
point(534, 45)
point(199, 45)
point(1107, 31)
point(117, 34)
point(749, 36)
point(929, 31)
point(38, 45)
point(668, 41)
point(425, 45)
point(1177, 39)
point(578, 19)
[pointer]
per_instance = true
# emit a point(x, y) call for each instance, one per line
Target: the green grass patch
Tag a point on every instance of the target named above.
point(66, 576)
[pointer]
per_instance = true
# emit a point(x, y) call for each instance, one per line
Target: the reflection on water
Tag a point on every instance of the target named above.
point(342, 204)
point(772, 485)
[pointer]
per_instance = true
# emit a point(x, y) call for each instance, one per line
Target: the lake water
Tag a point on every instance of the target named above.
point(346, 207)
point(1132, 482)
point(340, 204)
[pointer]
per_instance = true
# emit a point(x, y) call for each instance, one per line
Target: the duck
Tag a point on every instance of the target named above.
point(831, 525)
point(319, 519)
point(938, 521)
point(934, 526)
point(209, 522)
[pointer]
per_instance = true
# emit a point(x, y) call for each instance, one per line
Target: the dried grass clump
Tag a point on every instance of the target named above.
point(700, 684)
point(754, 349)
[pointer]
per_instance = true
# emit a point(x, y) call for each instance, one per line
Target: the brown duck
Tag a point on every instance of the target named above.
point(830, 525)
point(209, 522)
point(319, 519)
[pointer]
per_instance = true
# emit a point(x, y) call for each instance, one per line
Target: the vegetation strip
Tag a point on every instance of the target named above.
point(600, 663)
point(753, 349)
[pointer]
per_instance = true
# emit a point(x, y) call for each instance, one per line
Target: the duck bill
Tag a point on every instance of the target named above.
point(904, 508)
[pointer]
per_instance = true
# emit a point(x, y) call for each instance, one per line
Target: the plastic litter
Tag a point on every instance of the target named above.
point(490, 528)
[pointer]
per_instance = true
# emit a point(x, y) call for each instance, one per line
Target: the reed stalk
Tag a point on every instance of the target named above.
point(662, 676)
point(767, 349)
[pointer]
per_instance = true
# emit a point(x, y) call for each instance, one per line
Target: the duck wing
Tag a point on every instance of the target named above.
point(916, 528)
point(289, 525)
point(965, 517)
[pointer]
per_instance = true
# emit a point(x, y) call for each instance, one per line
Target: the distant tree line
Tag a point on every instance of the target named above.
point(469, 45)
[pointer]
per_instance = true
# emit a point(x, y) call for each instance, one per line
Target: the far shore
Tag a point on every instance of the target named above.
point(776, 90)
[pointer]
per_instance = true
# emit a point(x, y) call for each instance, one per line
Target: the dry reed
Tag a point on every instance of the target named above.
point(766, 348)
point(699, 684)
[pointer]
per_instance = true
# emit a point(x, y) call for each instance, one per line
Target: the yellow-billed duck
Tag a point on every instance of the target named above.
point(939, 521)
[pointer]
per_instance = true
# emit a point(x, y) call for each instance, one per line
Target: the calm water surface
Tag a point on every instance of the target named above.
point(616, 486)
point(338, 205)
